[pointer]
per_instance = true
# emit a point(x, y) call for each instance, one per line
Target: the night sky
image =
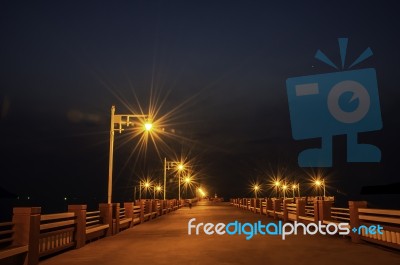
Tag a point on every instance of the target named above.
point(219, 66)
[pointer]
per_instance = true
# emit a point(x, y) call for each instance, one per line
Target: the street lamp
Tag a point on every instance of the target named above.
point(294, 186)
point(256, 188)
point(319, 183)
point(120, 120)
point(202, 193)
point(158, 189)
point(284, 187)
point(179, 166)
point(146, 185)
point(187, 181)
point(148, 126)
point(277, 184)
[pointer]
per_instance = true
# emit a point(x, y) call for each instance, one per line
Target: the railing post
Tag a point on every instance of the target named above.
point(324, 210)
point(285, 210)
point(261, 205)
point(148, 208)
point(354, 220)
point(106, 216)
point(27, 231)
point(268, 206)
point(316, 214)
point(161, 207)
point(141, 203)
point(115, 218)
point(276, 204)
point(80, 232)
point(154, 207)
point(129, 211)
point(300, 209)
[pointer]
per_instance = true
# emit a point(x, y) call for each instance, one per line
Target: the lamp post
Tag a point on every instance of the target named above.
point(121, 120)
point(134, 194)
point(256, 188)
point(276, 184)
point(297, 186)
point(165, 176)
point(319, 183)
point(187, 180)
point(294, 186)
point(143, 184)
point(179, 167)
point(284, 187)
point(147, 186)
point(158, 188)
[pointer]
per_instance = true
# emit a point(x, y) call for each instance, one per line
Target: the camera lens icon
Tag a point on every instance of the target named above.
point(358, 92)
point(339, 103)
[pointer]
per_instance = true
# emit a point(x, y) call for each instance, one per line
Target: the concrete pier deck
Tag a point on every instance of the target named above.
point(165, 240)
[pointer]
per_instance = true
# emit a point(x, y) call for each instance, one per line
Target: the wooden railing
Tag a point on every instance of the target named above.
point(357, 216)
point(95, 228)
point(32, 236)
point(388, 231)
point(56, 233)
point(340, 215)
point(10, 250)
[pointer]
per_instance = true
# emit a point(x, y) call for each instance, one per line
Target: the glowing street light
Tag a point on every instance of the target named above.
point(187, 180)
point(284, 187)
point(318, 183)
point(294, 186)
point(146, 184)
point(120, 120)
point(256, 188)
point(179, 167)
point(202, 193)
point(148, 126)
point(277, 184)
point(158, 189)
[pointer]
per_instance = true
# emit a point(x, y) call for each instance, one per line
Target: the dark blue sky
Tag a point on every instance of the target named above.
point(228, 59)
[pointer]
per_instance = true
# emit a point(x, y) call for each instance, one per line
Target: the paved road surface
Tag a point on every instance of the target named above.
point(165, 241)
